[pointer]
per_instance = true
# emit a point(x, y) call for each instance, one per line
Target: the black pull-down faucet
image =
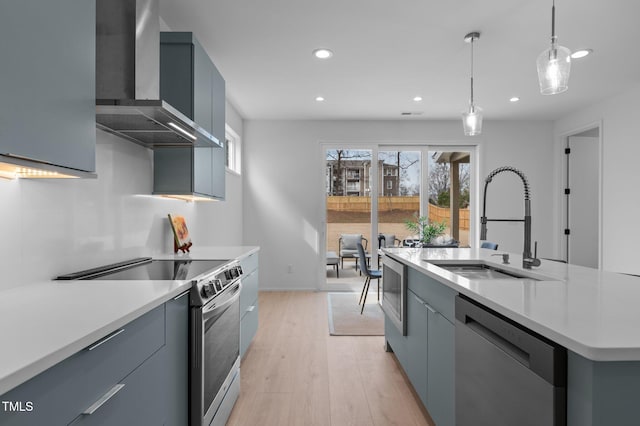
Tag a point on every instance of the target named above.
point(527, 259)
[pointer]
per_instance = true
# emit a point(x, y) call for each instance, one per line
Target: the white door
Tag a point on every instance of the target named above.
point(583, 201)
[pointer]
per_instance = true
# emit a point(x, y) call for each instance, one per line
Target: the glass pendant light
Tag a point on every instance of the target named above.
point(472, 118)
point(554, 63)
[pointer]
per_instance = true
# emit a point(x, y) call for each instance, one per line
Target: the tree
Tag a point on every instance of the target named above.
point(438, 180)
point(440, 184)
point(404, 161)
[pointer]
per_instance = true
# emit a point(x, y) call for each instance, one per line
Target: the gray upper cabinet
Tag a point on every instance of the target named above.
point(219, 105)
point(203, 88)
point(190, 82)
point(47, 109)
point(186, 172)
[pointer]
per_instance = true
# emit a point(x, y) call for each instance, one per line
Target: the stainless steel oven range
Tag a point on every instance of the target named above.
point(215, 345)
point(214, 326)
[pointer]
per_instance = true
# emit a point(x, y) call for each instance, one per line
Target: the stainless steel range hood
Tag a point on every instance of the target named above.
point(128, 79)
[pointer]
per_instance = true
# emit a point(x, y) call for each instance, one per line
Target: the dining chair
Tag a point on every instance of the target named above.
point(489, 245)
point(347, 246)
point(388, 240)
point(370, 274)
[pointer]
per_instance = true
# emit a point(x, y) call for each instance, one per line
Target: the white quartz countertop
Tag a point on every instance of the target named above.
point(591, 312)
point(43, 323)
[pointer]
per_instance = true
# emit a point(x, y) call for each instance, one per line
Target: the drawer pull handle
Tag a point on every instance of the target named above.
point(425, 304)
point(429, 307)
point(250, 308)
point(105, 339)
point(106, 397)
point(181, 295)
point(420, 301)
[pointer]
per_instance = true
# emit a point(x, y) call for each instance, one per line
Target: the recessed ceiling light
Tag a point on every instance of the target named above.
point(581, 53)
point(417, 99)
point(514, 99)
point(319, 99)
point(322, 53)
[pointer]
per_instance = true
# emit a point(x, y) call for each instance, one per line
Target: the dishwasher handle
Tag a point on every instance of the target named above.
point(507, 347)
point(542, 356)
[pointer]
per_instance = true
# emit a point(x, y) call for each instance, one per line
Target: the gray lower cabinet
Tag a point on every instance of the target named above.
point(177, 367)
point(441, 370)
point(47, 111)
point(417, 344)
point(602, 393)
point(136, 375)
point(136, 403)
point(248, 302)
point(426, 353)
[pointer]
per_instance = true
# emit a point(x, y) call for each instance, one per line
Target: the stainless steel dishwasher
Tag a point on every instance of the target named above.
point(506, 374)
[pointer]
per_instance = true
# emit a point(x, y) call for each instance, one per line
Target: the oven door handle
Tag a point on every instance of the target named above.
point(209, 311)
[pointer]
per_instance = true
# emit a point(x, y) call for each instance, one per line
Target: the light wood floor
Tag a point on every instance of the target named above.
point(294, 373)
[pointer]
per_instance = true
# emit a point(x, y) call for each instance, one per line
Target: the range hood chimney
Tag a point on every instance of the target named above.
point(128, 99)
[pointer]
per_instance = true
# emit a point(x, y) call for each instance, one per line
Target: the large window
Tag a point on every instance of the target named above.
point(399, 198)
point(450, 191)
point(381, 191)
point(348, 182)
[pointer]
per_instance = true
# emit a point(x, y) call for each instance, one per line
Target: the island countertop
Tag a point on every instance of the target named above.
point(591, 312)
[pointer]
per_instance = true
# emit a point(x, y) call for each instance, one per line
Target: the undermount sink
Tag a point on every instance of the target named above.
point(481, 271)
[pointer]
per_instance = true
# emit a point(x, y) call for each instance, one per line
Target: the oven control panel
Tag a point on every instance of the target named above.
point(214, 283)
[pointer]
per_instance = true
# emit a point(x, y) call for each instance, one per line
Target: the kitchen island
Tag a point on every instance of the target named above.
point(593, 314)
point(44, 325)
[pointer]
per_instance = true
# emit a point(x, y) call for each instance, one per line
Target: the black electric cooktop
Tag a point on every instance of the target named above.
point(147, 269)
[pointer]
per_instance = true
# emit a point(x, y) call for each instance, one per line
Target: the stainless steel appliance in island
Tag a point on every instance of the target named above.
point(214, 326)
point(394, 293)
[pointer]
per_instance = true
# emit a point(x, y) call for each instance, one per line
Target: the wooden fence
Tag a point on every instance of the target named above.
point(386, 204)
point(439, 214)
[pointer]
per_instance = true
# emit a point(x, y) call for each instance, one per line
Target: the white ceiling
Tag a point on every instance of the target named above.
point(386, 52)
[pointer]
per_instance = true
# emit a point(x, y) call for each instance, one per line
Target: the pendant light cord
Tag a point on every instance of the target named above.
point(553, 21)
point(472, 39)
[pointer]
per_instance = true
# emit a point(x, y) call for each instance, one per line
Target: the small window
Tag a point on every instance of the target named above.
point(390, 171)
point(232, 150)
point(389, 184)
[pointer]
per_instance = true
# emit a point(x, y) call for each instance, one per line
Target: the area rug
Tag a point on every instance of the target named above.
point(345, 318)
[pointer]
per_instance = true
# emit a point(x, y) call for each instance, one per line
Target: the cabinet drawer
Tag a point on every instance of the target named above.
point(437, 295)
point(60, 393)
point(248, 327)
point(249, 263)
point(249, 293)
point(136, 402)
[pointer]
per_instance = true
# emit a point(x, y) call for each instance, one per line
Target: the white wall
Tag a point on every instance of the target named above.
point(50, 227)
point(620, 175)
point(284, 178)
